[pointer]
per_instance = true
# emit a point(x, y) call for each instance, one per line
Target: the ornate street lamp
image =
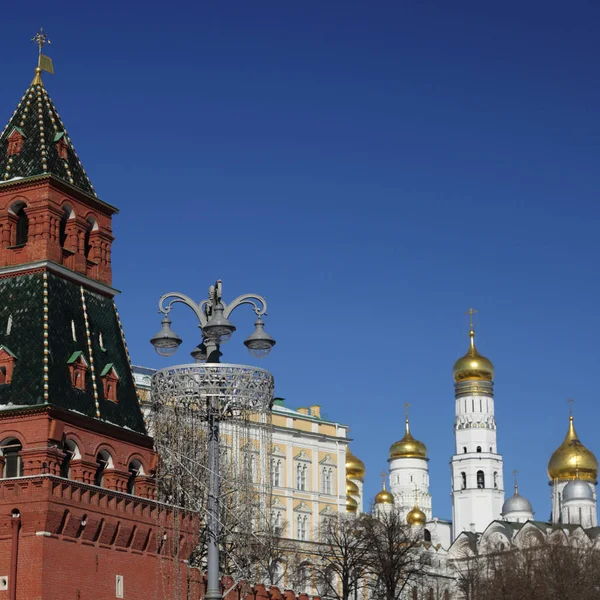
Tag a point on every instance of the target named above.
point(220, 391)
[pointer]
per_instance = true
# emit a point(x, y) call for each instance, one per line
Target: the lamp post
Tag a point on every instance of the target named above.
point(213, 321)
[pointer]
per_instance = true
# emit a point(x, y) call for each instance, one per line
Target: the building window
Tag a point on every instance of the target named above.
point(478, 448)
point(302, 521)
point(426, 535)
point(327, 480)
point(13, 463)
point(277, 522)
point(70, 451)
point(495, 480)
point(464, 449)
point(87, 246)
point(62, 148)
point(135, 470)
point(276, 466)
point(301, 472)
point(103, 462)
point(78, 368)
point(480, 480)
point(15, 142)
point(22, 230)
point(110, 381)
point(463, 477)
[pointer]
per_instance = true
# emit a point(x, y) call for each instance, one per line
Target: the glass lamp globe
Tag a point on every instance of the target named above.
point(259, 342)
point(166, 341)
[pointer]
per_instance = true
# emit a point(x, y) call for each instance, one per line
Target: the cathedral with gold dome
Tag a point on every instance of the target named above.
point(478, 497)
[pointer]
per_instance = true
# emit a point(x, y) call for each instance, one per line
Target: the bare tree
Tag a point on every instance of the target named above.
point(395, 554)
point(342, 556)
point(553, 570)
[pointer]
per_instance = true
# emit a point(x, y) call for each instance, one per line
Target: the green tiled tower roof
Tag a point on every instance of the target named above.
point(78, 323)
point(38, 122)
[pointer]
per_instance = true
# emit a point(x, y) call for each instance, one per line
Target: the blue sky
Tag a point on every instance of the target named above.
point(373, 169)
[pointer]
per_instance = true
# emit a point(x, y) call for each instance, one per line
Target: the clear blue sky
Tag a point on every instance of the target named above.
point(373, 169)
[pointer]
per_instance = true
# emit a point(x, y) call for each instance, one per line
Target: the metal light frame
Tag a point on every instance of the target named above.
point(221, 390)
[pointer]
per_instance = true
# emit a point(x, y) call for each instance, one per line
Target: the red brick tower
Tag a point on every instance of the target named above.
point(78, 518)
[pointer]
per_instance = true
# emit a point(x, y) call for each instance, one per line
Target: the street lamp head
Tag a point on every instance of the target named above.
point(259, 342)
point(218, 328)
point(199, 353)
point(166, 341)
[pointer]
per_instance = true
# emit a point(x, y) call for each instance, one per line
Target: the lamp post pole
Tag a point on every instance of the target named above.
point(216, 329)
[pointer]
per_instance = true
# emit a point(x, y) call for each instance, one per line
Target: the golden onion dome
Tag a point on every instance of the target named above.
point(416, 516)
point(351, 504)
point(408, 447)
point(351, 488)
point(384, 497)
point(472, 366)
point(355, 468)
point(572, 460)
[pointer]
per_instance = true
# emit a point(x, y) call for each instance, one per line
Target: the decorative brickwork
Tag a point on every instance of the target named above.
point(82, 243)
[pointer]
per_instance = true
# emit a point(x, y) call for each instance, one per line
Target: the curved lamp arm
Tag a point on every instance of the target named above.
point(175, 297)
point(247, 299)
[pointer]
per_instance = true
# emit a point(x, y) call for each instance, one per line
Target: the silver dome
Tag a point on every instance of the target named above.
point(577, 490)
point(516, 504)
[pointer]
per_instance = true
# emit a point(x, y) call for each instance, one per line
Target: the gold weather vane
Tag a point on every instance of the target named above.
point(570, 401)
point(44, 62)
point(406, 406)
point(383, 477)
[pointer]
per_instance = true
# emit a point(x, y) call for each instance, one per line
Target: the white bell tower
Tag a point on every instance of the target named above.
point(477, 480)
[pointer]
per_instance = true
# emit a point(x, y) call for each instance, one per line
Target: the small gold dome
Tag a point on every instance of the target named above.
point(355, 468)
point(351, 488)
point(416, 516)
point(472, 366)
point(408, 447)
point(384, 497)
point(572, 460)
point(351, 504)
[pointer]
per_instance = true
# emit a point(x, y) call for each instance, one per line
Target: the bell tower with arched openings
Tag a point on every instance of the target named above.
point(477, 479)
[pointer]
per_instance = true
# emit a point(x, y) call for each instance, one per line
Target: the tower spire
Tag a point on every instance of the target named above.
point(406, 406)
point(515, 472)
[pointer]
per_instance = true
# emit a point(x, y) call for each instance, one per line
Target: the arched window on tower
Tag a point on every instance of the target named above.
point(62, 237)
point(463, 477)
point(426, 535)
point(135, 470)
point(478, 448)
point(103, 462)
point(13, 463)
point(22, 230)
point(91, 225)
point(495, 480)
point(70, 451)
point(480, 480)
point(464, 449)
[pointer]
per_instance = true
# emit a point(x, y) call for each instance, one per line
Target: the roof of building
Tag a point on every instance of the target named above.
point(73, 318)
point(37, 121)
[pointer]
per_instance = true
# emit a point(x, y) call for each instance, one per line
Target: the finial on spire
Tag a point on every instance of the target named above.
point(515, 472)
point(44, 62)
point(471, 312)
point(383, 476)
point(570, 401)
point(406, 406)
